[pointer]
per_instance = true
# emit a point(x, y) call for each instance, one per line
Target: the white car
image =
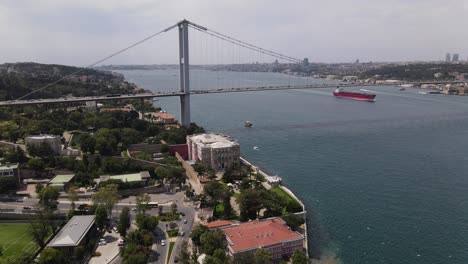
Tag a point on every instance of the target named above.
point(163, 242)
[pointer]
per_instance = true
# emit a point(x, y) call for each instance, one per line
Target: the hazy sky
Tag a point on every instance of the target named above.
point(81, 32)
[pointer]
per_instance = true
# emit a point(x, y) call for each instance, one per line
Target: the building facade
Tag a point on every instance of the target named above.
point(271, 234)
point(215, 150)
point(75, 236)
point(54, 142)
point(11, 170)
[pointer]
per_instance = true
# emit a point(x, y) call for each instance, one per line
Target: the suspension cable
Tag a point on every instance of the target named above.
point(99, 61)
point(248, 46)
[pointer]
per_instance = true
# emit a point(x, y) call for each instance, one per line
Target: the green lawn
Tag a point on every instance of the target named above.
point(282, 193)
point(171, 247)
point(15, 238)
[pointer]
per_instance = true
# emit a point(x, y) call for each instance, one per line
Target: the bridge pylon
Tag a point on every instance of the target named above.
point(184, 73)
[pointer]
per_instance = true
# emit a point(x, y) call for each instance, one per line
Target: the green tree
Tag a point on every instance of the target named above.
point(140, 237)
point(37, 165)
point(124, 221)
point(146, 222)
point(73, 197)
point(87, 142)
point(212, 240)
point(262, 256)
point(107, 196)
point(174, 208)
point(164, 148)
point(250, 203)
point(142, 202)
point(299, 257)
point(184, 254)
point(214, 189)
point(39, 228)
point(48, 197)
point(101, 217)
point(293, 221)
point(51, 256)
point(237, 171)
point(196, 234)
point(8, 184)
point(39, 188)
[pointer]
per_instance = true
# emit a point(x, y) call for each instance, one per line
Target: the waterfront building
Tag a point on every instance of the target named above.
point(455, 57)
point(74, 236)
point(271, 234)
point(217, 151)
point(54, 142)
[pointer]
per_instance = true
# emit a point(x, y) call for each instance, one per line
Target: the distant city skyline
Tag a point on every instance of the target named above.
point(80, 32)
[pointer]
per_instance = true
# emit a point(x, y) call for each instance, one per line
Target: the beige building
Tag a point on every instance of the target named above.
point(216, 150)
point(53, 141)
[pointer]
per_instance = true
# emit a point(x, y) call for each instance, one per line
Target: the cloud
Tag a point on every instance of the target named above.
point(79, 32)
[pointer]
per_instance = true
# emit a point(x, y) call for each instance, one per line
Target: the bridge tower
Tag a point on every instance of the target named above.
point(184, 72)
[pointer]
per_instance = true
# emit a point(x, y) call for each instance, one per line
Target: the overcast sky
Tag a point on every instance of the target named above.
point(81, 32)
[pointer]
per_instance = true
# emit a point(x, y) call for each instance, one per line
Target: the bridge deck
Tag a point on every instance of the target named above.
point(222, 90)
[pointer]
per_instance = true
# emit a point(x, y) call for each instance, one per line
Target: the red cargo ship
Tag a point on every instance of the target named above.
point(354, 95)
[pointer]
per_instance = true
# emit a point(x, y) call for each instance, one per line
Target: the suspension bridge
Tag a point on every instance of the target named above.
point(221, 53)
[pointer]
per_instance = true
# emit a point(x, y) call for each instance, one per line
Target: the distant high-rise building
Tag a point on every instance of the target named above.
point(447, 57)
point(357, 61)
point(455, 57)
point(305, 62)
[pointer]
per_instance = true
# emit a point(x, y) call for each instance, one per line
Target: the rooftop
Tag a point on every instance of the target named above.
point(263, 233)
point(8, 166)
point(217, 224)
point(213, 140)
point(62, 179)
point(43, 137)
point(73, 232)
point(166, 116)
point(133, 177)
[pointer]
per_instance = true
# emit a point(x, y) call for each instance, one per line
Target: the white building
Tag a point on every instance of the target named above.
point(216, 150)
point(53, 141)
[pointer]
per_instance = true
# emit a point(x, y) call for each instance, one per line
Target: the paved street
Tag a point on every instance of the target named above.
point(110, 250)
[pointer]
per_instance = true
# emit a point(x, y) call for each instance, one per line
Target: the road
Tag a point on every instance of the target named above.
point(159, 252)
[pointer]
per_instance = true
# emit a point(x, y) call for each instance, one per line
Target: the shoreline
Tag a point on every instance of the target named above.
point(289, 192)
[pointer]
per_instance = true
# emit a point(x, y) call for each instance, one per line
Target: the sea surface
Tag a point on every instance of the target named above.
point(383, 182)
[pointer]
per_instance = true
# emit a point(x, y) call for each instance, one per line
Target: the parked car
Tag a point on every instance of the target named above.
point(163, 242)
point(182, 213)
point(185, 221)
point(26, 208)
point(182, 233)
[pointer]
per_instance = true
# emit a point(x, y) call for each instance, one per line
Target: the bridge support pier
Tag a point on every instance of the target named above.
point(184, 73)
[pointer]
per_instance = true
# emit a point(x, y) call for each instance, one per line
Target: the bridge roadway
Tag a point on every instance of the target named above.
point(211, 91)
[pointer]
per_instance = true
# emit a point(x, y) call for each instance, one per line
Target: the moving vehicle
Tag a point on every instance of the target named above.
point(163, 242)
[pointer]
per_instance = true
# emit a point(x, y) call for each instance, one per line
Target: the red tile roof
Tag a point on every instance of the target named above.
point(257, 234)
point(166, 116)
point(216, 224)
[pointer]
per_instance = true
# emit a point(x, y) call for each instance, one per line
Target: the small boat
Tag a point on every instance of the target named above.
point(402, 88)
point(248, 124)
point(255, 148)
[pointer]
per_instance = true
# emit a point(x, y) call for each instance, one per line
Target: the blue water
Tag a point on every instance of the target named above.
point(383, 182)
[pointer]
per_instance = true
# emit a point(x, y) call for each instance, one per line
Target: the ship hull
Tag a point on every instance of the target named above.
point(355, 96)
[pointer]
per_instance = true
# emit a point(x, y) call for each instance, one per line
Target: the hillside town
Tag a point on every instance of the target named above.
point(111, 184)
